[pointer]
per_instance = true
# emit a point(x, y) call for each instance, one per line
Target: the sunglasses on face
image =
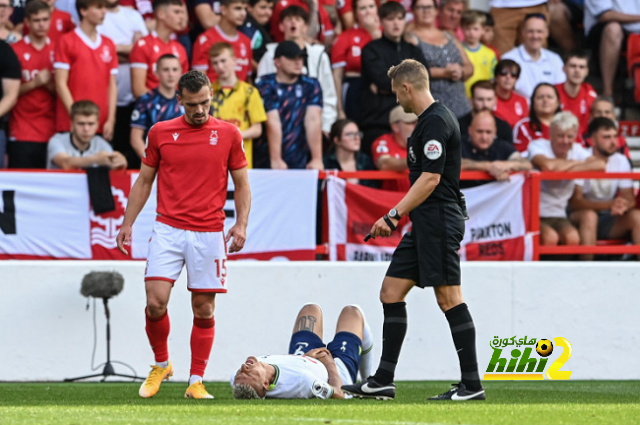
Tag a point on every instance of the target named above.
point(505, 72)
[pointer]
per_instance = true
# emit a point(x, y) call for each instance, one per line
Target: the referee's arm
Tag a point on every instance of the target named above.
point(419, 192)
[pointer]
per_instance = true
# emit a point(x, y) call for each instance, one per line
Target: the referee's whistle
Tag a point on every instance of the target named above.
point(366, 238)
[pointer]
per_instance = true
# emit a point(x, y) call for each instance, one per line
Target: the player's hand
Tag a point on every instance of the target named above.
point(381, 228)
point(239, 235)
point(124, 238)
point(315, 164)
point(278, 164)
point(43, 77)
point(107, 130)
point(319, 353)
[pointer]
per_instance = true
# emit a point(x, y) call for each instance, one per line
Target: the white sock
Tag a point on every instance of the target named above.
point(366, 360)
point(194, 378)
point(162, 364)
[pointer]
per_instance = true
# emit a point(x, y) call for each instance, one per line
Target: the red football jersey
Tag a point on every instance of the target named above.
point(523, 134)
point(387, 145)
point(33, 117)
point(511, 110)
point(580, 105)
point(347, 52)
point(241, 47)
point(61, 23)
point(148, 49)
point(326, 27)
point(91, 65)
point(193, 164)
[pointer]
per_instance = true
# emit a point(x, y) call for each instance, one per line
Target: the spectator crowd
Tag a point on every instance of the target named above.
point(306, 83)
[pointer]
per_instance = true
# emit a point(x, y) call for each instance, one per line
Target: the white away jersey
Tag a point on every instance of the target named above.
point(294, 375)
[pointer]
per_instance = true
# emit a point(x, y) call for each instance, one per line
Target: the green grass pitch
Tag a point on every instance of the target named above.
point(521, 403)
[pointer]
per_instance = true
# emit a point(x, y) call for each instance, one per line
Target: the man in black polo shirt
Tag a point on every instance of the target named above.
point(428, 255)
point(482, 151)
point(483, 98)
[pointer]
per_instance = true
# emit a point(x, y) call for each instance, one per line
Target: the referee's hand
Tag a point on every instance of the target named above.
point(380, 228)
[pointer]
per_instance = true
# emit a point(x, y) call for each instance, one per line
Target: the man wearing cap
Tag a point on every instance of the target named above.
point(483, 151)
point(294, 114)
point(389, 151)
point(483, 97)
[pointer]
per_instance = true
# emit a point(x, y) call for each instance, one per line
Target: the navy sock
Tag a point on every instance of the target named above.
point(394, 330)
point(463, 332)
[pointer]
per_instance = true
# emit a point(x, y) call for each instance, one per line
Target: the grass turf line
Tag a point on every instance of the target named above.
point(521, 403)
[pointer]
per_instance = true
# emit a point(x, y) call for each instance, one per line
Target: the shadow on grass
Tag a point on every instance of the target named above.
point(409, 393)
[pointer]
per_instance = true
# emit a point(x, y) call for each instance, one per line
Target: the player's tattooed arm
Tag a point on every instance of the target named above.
point(305, 323)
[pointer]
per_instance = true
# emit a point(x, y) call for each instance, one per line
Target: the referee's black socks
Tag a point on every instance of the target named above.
point(393, 331)
point(464, 337)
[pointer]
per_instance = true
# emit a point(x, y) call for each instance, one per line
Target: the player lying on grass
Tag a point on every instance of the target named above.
point(311, 369)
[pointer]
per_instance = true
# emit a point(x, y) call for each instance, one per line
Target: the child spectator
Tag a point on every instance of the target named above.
point(32, 121)
point(169, 17)
point(159, 104)
point(61, 23)
point(86, 65)
point(576, 95)
point(346, 56)
point(488, 35)
point(258, 15)
point(510, 106)
point(233, 14)
point(319, 22)
point(482, 58)
point(234, 100)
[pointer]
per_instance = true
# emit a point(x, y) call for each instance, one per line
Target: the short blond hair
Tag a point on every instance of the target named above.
point(245, 392)
point(410, 71)
point(471, 17)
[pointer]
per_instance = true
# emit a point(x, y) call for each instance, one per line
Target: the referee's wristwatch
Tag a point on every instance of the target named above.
point(393, 213)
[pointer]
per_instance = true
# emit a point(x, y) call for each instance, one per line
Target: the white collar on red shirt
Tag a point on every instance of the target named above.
point(225, 36)
point(173, 35)
point(28, 40)
point(86, 40)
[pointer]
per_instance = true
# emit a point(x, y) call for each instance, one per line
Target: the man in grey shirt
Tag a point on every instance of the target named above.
point(81, 148)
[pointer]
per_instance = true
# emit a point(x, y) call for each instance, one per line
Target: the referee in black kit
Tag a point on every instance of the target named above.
point(428, 255)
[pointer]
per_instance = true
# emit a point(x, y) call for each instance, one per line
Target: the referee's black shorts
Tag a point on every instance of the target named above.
point(428, 254)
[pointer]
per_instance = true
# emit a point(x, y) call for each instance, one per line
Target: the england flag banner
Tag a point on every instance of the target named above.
point(496, 231)
point(48, 215)
point(44, 215)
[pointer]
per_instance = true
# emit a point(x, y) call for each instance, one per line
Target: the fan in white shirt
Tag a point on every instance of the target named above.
point(605, 209)
point(311, 369)
point(561, 153)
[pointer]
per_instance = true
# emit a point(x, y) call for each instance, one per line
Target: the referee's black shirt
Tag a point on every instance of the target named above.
point(434, 147)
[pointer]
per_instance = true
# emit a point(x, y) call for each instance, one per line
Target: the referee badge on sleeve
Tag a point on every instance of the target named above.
point(432, 149)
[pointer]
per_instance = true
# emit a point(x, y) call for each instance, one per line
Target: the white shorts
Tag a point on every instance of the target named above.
point(204, 254)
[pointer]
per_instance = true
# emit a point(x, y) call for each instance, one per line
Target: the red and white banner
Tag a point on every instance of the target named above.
point(496, 231)
point(46, 215)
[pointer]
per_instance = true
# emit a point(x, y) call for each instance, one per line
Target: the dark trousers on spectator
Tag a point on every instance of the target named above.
point(122, 136)
point(27, 154)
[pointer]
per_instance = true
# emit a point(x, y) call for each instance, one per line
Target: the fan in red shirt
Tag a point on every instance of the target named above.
point(32, 120)
point(232, 15)
point(192, 156)
point(325, 30)
point(577, 96)
point(169, 17)
point(510, 106)
point(545, 105)
point(86, 65)
point(389, 151)
point(61, 23)
point(346, 56)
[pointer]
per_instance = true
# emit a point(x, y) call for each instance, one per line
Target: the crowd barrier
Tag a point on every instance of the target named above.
point(53, 219)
